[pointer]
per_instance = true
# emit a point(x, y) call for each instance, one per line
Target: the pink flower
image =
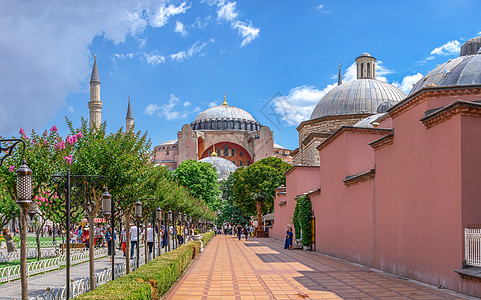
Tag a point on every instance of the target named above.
point(72, 140)
point(68, 159)
point(11, 168)
point(53, 129)
point(21, 131)
point(80, 135)
point(60, 145)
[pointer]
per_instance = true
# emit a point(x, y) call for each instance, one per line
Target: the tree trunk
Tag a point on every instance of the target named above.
point(91, 252)
point(127, 243)
point(259, 216)
point(159, 239)
point(39, 253)
point(146, 249)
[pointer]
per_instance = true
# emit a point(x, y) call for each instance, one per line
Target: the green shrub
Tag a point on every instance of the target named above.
point(153, 280)
point(303, 220)
point(206, 237)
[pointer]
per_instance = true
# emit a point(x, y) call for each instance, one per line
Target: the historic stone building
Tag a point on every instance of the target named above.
point(344, 105)
point(234, 133)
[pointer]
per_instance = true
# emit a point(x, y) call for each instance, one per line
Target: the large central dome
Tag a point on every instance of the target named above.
point(225, 117)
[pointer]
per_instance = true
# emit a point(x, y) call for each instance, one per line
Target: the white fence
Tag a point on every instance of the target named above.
point(76, 256)
point(81, 286)
point(43, 244)
point(472, 245)
point(31, 253)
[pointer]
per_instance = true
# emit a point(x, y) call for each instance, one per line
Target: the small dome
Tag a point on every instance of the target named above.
point(223, 166)
point(367, 122)
point(385, 106)
point(463, 70)
point(365, 54)
point(361, 96)
point(225, 117)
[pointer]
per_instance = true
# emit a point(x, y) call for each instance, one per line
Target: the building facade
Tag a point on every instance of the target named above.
point(398, 190)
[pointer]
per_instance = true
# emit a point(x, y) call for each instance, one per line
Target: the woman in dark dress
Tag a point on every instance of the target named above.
point(289, 235)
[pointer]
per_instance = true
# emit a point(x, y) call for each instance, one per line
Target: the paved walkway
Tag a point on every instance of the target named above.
point(262, 269)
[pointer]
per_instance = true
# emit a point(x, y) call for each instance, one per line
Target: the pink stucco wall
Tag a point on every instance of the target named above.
point(299, 179)
point(409, 220)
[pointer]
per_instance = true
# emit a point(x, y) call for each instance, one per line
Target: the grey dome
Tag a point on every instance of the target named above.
point(463, 70)
point(367, 122)
point(223, 166)
point(225, 117)
point(357, 97)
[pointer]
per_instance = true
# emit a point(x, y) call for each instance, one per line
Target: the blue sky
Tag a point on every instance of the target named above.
point(177, 58)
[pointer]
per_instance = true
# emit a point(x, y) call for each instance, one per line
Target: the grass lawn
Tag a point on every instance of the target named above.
point(45, 238)
point(16, 262)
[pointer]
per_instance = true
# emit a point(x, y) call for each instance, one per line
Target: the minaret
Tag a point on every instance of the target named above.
point(95, 104)
point(366, 66)
point(339, 78)
point(129, 119)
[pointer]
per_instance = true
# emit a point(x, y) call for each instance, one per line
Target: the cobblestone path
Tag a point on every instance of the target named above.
point(262, 269)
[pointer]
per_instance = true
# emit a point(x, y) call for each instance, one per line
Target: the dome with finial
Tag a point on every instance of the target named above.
point(223, 166)
point(365, 95)
point(225, 117)
point(462, 70)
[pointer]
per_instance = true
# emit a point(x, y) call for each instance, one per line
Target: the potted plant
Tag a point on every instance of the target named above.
point(197, 236)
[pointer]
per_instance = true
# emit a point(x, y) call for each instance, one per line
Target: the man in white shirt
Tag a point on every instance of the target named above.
point(150, 237)
point(133, 239)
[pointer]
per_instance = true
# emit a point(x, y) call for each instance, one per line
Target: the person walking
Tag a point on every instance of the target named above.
point(289, 235)
point(133, 239)
point(246, 231)
point(9, 240)
point(123, 236)
point(150, 237)
point(110, 238)
point(239, 231)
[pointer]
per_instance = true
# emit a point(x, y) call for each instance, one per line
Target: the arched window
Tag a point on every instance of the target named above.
point(248, 163)
point(210, 153)
point(241, 154)
point(240, 163)
point(226, 151)
point(362, 70)
point(232, 152)
point(369, 70)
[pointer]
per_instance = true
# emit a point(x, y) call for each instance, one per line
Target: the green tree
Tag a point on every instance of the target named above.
point(201, 181)
point(254, 186)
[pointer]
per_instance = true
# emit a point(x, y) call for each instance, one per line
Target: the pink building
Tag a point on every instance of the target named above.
point(397, 190)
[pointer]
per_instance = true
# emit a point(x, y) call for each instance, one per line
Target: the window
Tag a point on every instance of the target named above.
point(233, 162)
point(232, 152)
point(210, 153)
point(368, 70)
point(167, 152)
point(241, 154)
point(362, 70)
point(241, 163)
point(226, 151)
point(248, 163)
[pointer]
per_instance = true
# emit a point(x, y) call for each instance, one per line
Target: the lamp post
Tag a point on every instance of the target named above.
point(61, 195)
point(24, 200)
point(138, 215)
point(168, 228)
point(108, 209)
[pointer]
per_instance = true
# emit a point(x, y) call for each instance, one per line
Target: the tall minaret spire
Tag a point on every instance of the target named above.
point(339, 78)
point(129, 119)
point(95, 104)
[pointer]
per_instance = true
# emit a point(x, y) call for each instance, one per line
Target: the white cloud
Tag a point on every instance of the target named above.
point(151, 109)
point(161, 17)
point(187, 103)
point(195, 49)
point(154, 59)
point(227, 12)
point(212, 104)
point(167, 111)
point(142, 43)
point(201, 23)
point(119, 56)
point(197, 109)
point(298, 105)
point(180, 28)
point(408, 82)
point(247, 31)
point(449, 48)
point(320, 6)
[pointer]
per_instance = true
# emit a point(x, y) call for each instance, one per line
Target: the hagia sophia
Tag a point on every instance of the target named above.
point(394, 179)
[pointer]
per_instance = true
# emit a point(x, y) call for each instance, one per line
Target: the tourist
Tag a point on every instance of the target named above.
point(178, 230)
point(246, 231)
point(110, 237)
point(133, 239)
point(239, 231)
point(230, 229)
point(123, 238)
point(85, 236)
point(98, 235)
point(79, 234)
point(9, 240)
point(288, 243)
point(150, 237)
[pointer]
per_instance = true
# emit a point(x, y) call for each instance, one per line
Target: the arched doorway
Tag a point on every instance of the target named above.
point(230, 151)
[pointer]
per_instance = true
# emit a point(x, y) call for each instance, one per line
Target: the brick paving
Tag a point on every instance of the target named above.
point(262, 269)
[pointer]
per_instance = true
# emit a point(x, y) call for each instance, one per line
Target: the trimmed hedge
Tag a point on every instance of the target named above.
point(206, 237)
point(152, 280)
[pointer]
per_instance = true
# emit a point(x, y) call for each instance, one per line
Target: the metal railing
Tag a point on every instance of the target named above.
point(77, 256)
point(43, 244)
point(31, 253)
point(472, 245)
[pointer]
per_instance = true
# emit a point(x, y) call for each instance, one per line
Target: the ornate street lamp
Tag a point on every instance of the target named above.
point(107, 210)
point(106, 203)
point(158, 215)
point(138, 215)
point(169, 238)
